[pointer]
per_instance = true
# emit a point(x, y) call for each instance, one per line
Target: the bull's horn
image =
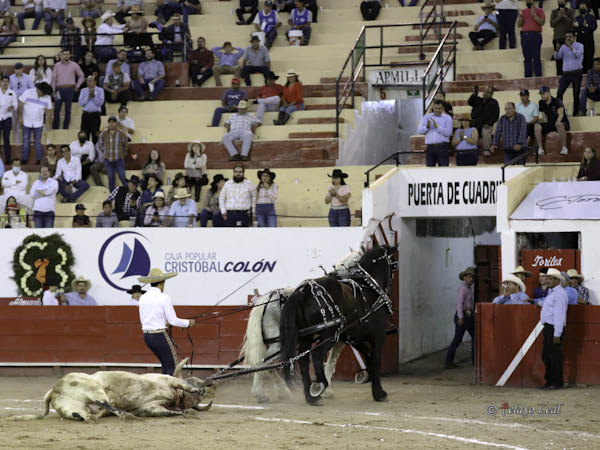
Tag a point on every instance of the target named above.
point(179, 368)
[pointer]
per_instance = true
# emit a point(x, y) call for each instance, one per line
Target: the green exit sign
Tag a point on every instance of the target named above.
point(413, 93)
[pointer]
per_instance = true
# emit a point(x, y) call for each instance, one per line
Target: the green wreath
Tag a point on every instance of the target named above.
point(36, 258)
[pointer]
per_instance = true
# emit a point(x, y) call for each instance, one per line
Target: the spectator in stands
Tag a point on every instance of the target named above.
point(591, 90)
point(33, 103)
point(531, 21)
point(71, 39)
point(125, 197)
point(68, 175)
point(484, 114)
point(79, 295)
point(116, 85)
point(177, 183)
point(256, 60)
point(19, 83)
point(51, 159)
point(246, 7)
point(464, 317)
point(571, 54)
point(40, 71)
point(285, 5)
point(91, 8)
point(291, 100)
point(268, 21)
point(565, 282)
point(228, 58)
point(8, 31)
point(66, 78)
point(211, 208)
point(267, 191)
point(137, 27)
point(88, 66)
point(195, 167)
point(15, 216)
point(43, 191)
point(81, 219)
point(200, 63)
point(521, 273)
point(154, 166)
point(136, 292)
point(151, 76)
point(123, 8)
point(508, 10)
point(242, 126)
point(529, 110)
point(542, 290)
point(554, 119)
point(122, 58)
point(14, 183)
point(465, 142)
point(337, 197)
point(300, 19)
point(157, 214)
point(112, 144)
point(51, 295)
point(370, 9)
point(89, 32)
point(83, 149)
point(9, 104)
point(230, 100)
point(590, 166)
point(32, 9)
point(269, 96)
point(512, 127)
point(513, 292)
point(190, 7)
point(91, 99)
point(107, 218)
point(153, 185)
point(441, 96)
point(237, 199)
point(586, 25)
point(54, 11)
point(103, 46)
point(178, 35)
point(125, 124)
point(562, 19)
point(437, 128)
point(486, 27)
point(583, 293)
point(183, 210)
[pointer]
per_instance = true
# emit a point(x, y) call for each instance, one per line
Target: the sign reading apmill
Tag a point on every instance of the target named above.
point(401, 76)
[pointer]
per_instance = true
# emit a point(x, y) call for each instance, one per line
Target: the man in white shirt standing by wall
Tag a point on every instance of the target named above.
point(68, 175)
point(437, 128)
point(43, 192)
point(9, 104)
point(156, 310)
point(237, 200)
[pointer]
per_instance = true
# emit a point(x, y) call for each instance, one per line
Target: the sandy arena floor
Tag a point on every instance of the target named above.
point(428, 407)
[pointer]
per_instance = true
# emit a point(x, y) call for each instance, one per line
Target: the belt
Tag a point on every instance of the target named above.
point(239, 210)
point(525, 32)
point(573, 71)
point(445, 144)
point(153, 331)
point(65, 86)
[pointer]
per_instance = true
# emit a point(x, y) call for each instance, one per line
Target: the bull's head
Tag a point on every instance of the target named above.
point(199, 389)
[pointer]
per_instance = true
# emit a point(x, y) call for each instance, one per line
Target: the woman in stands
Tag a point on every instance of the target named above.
point(41, 71)
point(13, 216)
point(465, 141)
point(338, 196)
point(195, 167)
point(157, 214)
point(266, 197)
point(8, 31)
point(178, 182)
point(291, 100)
point(211, 208)
point(154, 166)
point(590, 166)
point(50, 160)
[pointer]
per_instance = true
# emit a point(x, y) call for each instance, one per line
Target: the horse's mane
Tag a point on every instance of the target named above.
point(343, 266)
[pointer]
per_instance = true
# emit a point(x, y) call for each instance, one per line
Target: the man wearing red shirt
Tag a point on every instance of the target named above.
point(531, 21)
point(269, 96)
point(201, 62)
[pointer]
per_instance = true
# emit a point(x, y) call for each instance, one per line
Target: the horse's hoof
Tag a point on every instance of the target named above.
point(262, 399)
point(361, 377)
point(316, 389)
point(380, 397)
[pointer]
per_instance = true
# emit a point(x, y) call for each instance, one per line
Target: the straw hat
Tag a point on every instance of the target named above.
point(574, 274)
point(488, 5)
point(516, 280)
point(243, 104)
point(291, 73)
point(521, 269)
point(156, 276)
point(196, 141)
point(159, 194)
point(181, 193)
point(81, 279)
point(555, 273)
point(135, 9)
point(107, 15)
point(467, 271)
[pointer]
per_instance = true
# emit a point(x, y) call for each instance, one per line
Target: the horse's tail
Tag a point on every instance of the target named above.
point(47, 400)
point(288, 330)
point(253, 348)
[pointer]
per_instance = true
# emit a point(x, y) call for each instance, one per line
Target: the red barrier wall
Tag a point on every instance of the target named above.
point(503, 329)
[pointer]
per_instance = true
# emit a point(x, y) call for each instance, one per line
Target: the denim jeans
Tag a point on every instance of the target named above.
point(105, 53)
point(60, 20)
point(112, 167)
point(43, 219)
point(37, 140)
point(292, 108)
point(459, 331)
point(266, 215)
point(531, 43)
point(65, 95)
point(139, 87)
point(507, 18)
point(5, 40)
point(205, 215)
point(5, 127)
point(28, 15)
point(79, 187)
point(217, 115)
point(339, 217)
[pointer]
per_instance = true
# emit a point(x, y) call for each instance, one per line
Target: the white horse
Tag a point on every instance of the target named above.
point(263, 325)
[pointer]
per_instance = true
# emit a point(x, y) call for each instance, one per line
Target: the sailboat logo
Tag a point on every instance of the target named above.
point(131, 258)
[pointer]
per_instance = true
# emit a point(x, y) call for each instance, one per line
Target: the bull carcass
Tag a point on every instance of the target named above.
point(79, 396)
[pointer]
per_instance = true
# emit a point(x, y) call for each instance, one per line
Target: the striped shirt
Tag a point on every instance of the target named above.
point(237, 196)
point(242, 121)
point(113, 145)
point(267, 195)
point(513, 131)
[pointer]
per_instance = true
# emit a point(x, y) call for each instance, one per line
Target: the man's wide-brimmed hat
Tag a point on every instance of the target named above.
point(488, 5)
point(516, 280)
point(107, 15)
point(243, 104)
point(81, 279)
point(181, 193)
point(337, 173)
point(134, 179)
point(267, 171)
point(521, 269)
point(218, 177)
point(88, 19)
point(136, 288)
point(271, 76)
point(201, 144)
point(156, 276)
point(178, 175)
point(574, 274)
point(467, 271)
point(555, 273)
point(135, 9)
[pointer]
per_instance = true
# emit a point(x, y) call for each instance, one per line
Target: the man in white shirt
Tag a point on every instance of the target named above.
point(240, 125)
point(43, 191)
point(68, 175)
point(237, 199)
point(104, 41)
point(437, 128)
point(529, 110)
point(14, 183)
point(54, 10)
point(33, 103)
point(124, 123)
point(156, 310)
point(83, 149)
point(51, 295)
point(9, 104)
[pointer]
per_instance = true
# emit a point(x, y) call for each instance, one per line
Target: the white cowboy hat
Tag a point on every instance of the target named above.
point(81, 279)
point(159, 194)
point(196, 141)
point(516, 280)
point(107, 15)
point(243, 104)
point(555, 273)
point(467, 271)
point(156, 276)
point(291, 73)
point(181, 193)
point(521, 269)
point(574, 274)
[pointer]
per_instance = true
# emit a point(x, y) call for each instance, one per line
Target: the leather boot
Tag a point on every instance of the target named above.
point(285, 119)
point(279, 120)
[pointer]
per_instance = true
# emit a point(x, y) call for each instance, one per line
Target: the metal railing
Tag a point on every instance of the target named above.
point(395, 157)
point(431, 20)
point(522, 157)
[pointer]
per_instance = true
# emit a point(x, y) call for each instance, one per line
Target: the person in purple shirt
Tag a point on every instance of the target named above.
point(437, 128)
point(151, 75)
point(570, 291)
point(79, 295)
point(229, 101)
point(571, 54)
point(91, 100)
point(300, 19)
point(464, 318)
point(540, 292)
point(228, 58)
